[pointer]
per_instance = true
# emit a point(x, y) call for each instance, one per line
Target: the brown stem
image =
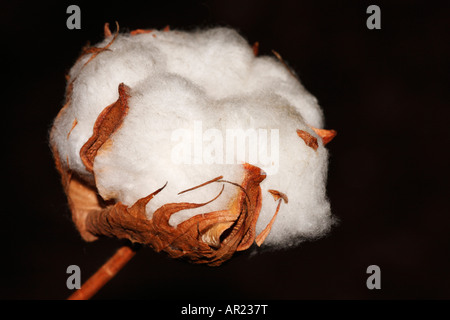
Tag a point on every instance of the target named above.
point(104, 274)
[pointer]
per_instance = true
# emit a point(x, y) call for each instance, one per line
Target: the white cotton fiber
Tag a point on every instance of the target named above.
point(186, 83)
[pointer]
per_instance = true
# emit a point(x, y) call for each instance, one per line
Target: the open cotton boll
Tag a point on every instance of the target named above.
point(192, 98)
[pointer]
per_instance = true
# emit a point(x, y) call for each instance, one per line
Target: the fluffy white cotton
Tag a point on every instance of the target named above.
point(188, 83)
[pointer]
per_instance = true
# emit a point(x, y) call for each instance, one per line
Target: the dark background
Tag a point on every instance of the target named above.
point(385, 91)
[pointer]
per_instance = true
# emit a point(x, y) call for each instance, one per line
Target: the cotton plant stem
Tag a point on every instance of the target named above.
point(104, 274)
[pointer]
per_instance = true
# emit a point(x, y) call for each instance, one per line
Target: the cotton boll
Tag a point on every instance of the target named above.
point(191, 91)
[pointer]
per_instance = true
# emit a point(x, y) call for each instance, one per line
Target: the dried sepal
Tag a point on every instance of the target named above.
point(106, 30)
point(278, 56)
point(109, 120)
point(277, 195)
point(263, 235)
point(326, 135)
point(74, 124)
point(309, 139)
point(95, 51)
point(82, 197)
point(140, 31)
point(255, 48)
point(197, 239)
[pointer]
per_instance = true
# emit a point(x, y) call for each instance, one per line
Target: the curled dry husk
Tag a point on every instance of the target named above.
point(210, 238)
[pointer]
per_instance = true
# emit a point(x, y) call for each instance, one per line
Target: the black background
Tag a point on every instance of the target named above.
point(385, 91)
